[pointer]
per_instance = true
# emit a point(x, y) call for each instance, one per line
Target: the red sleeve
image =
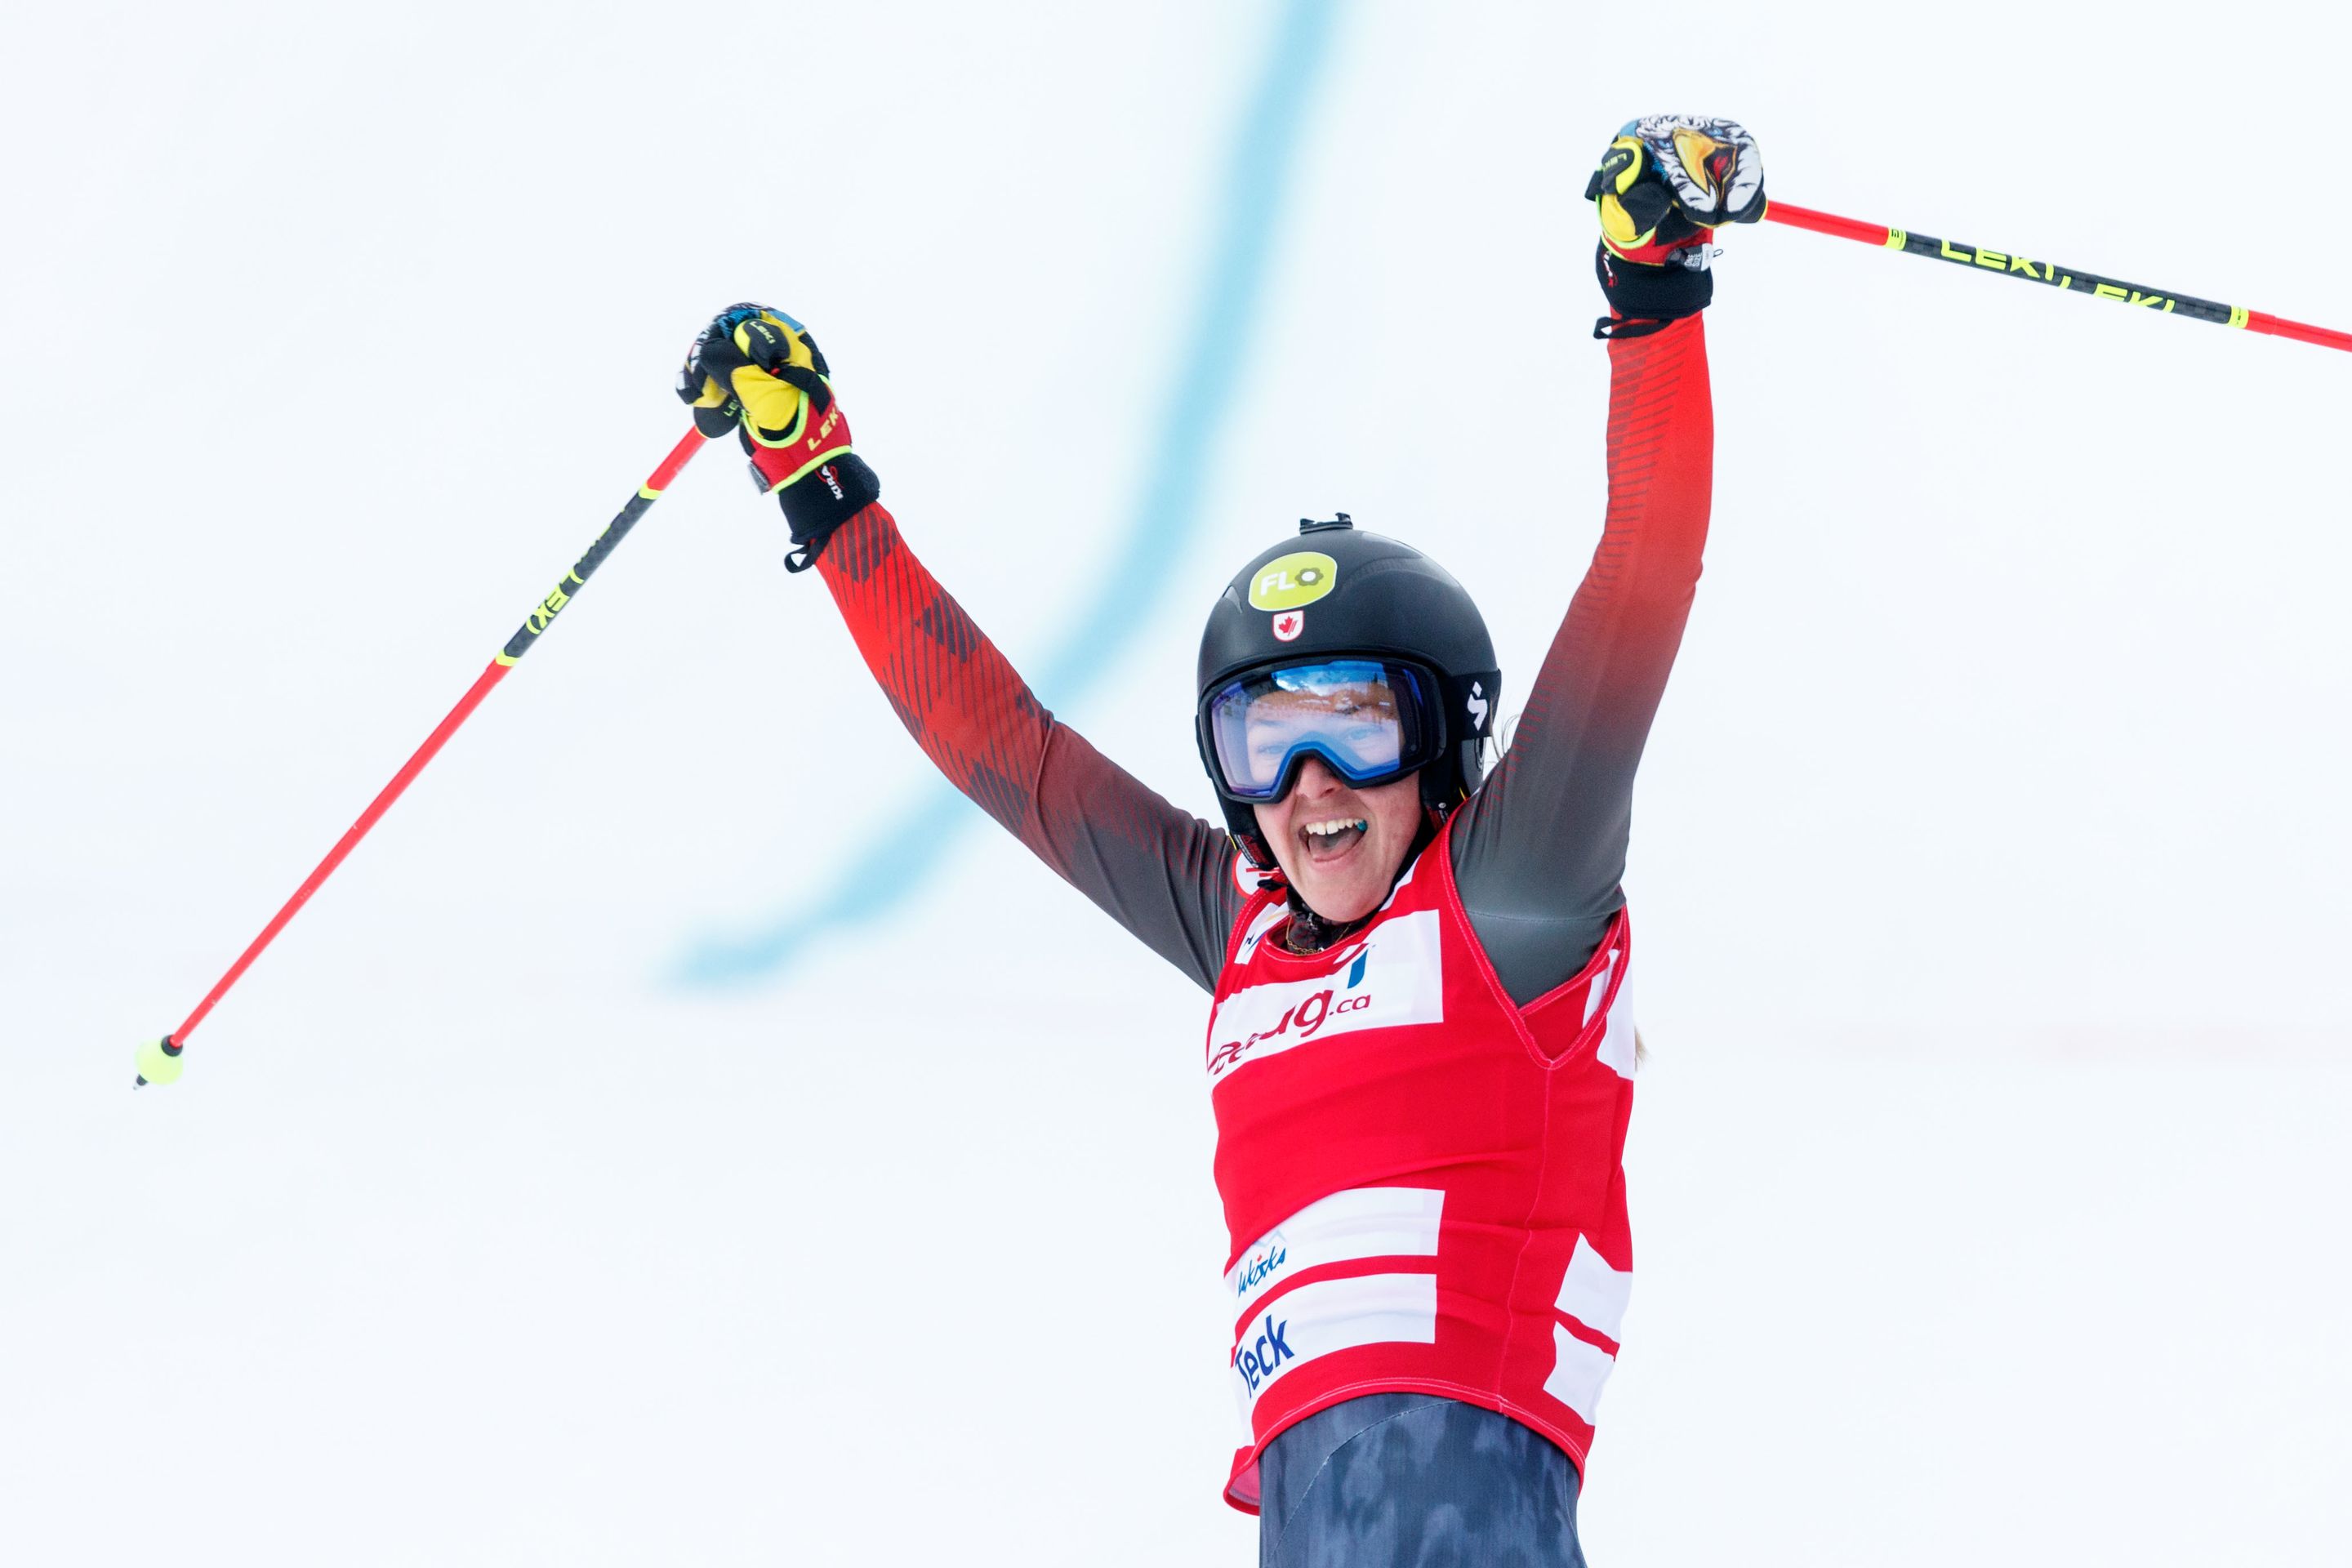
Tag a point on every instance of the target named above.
point(1541, 846)
point(1163, 874)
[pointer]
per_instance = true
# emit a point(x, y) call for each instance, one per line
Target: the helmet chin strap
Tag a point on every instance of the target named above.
point(1308, 931)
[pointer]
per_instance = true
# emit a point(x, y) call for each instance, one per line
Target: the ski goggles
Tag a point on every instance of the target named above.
point(1371, 721)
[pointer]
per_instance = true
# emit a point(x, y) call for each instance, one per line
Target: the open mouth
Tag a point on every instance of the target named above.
point(1329, 839)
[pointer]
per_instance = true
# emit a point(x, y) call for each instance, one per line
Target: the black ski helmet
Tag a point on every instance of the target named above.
point(1337, 591)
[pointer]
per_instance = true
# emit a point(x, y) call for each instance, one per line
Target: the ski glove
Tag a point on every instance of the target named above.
point(757, 370)
point(1665, 182)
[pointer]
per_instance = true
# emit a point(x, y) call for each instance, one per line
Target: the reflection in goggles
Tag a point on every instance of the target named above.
point(1346, 712)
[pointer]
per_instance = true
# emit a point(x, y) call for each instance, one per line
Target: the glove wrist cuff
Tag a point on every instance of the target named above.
point(1645, 297)
point(831, 494)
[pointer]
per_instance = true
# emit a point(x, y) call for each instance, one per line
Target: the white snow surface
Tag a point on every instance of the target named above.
point(1990, 872)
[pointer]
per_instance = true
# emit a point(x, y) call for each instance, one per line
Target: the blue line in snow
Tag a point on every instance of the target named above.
point(899, 860)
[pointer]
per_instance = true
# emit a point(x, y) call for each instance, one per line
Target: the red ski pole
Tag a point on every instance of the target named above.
point(158, 1061)
point(2010, 265)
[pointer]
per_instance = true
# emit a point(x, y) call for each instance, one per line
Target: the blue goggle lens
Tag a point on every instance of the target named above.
point(1366, 719)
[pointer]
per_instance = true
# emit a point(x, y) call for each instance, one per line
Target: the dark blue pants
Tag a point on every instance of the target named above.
point(1410, 1480)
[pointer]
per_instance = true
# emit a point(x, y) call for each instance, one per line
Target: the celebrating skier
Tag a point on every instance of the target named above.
point(1418, 1053)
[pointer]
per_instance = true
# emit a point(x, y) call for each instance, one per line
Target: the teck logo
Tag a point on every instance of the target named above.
point(1256, 1359)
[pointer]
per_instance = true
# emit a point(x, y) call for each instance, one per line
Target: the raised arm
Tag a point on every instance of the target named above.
point(1540, 848)
point(1162, 873)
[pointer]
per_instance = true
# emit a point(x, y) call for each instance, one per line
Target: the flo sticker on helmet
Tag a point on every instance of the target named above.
point(1293, 581)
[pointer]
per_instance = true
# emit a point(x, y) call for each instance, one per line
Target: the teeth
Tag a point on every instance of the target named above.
point(1327, 829)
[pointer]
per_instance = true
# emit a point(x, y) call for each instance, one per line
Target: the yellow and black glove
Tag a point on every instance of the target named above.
point(1665, 183)
point(756, 370)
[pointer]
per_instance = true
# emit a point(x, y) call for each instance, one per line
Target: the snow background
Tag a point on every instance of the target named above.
point(1991, 871)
